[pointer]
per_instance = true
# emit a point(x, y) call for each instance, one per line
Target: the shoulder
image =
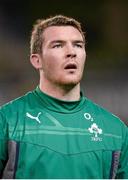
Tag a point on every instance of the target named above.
point(13, 112)
point(16, 104)
point(107, 117)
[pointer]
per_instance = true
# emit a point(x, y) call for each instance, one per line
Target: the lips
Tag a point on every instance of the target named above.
point(70, 66)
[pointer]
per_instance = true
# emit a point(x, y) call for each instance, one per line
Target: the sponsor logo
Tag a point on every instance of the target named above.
point(36, 118)
point(88, 116)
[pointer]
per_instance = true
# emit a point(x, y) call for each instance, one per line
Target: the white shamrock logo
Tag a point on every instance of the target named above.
point(94, 129)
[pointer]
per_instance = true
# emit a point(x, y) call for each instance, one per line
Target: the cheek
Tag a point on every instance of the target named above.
point(51, 64)
point(49, 60)
point(83, 59)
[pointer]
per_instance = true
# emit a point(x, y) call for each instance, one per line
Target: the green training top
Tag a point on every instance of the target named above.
point(44, 137)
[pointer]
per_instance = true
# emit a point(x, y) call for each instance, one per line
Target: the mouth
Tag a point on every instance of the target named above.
point(70, 66)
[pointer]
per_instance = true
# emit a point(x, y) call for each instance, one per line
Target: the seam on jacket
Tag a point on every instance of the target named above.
point(10, 168)
point(16, 159)
point(114, 164)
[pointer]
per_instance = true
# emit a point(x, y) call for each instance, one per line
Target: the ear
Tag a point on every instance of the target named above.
point(36, 61)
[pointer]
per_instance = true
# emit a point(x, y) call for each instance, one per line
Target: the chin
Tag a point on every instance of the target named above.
point(70, 82)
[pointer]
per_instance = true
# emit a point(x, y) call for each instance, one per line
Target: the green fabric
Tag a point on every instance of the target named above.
point(60, 139)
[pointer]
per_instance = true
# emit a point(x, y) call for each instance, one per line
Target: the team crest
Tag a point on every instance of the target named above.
point(96, 132)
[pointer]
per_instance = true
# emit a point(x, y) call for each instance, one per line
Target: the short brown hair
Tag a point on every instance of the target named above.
point(42, 24)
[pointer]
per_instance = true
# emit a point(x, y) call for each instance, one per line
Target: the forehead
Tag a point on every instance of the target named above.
point(61, 33)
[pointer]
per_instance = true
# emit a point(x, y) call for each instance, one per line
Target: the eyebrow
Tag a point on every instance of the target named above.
point(56, 41)
point(79, 41)
point(62, 41)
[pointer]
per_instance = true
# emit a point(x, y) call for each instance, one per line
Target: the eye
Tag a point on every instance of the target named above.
point(78, 45)
point(57, 46)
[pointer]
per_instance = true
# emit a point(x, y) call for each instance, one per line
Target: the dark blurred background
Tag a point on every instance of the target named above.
point(105, 78)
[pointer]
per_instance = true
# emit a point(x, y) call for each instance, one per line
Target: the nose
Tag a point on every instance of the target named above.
point(71, 55)
point(70, 52)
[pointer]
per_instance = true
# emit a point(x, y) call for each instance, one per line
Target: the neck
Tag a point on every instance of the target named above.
point(67, 92)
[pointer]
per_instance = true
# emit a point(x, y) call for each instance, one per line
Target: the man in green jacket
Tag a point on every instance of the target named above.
point(54, 131)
